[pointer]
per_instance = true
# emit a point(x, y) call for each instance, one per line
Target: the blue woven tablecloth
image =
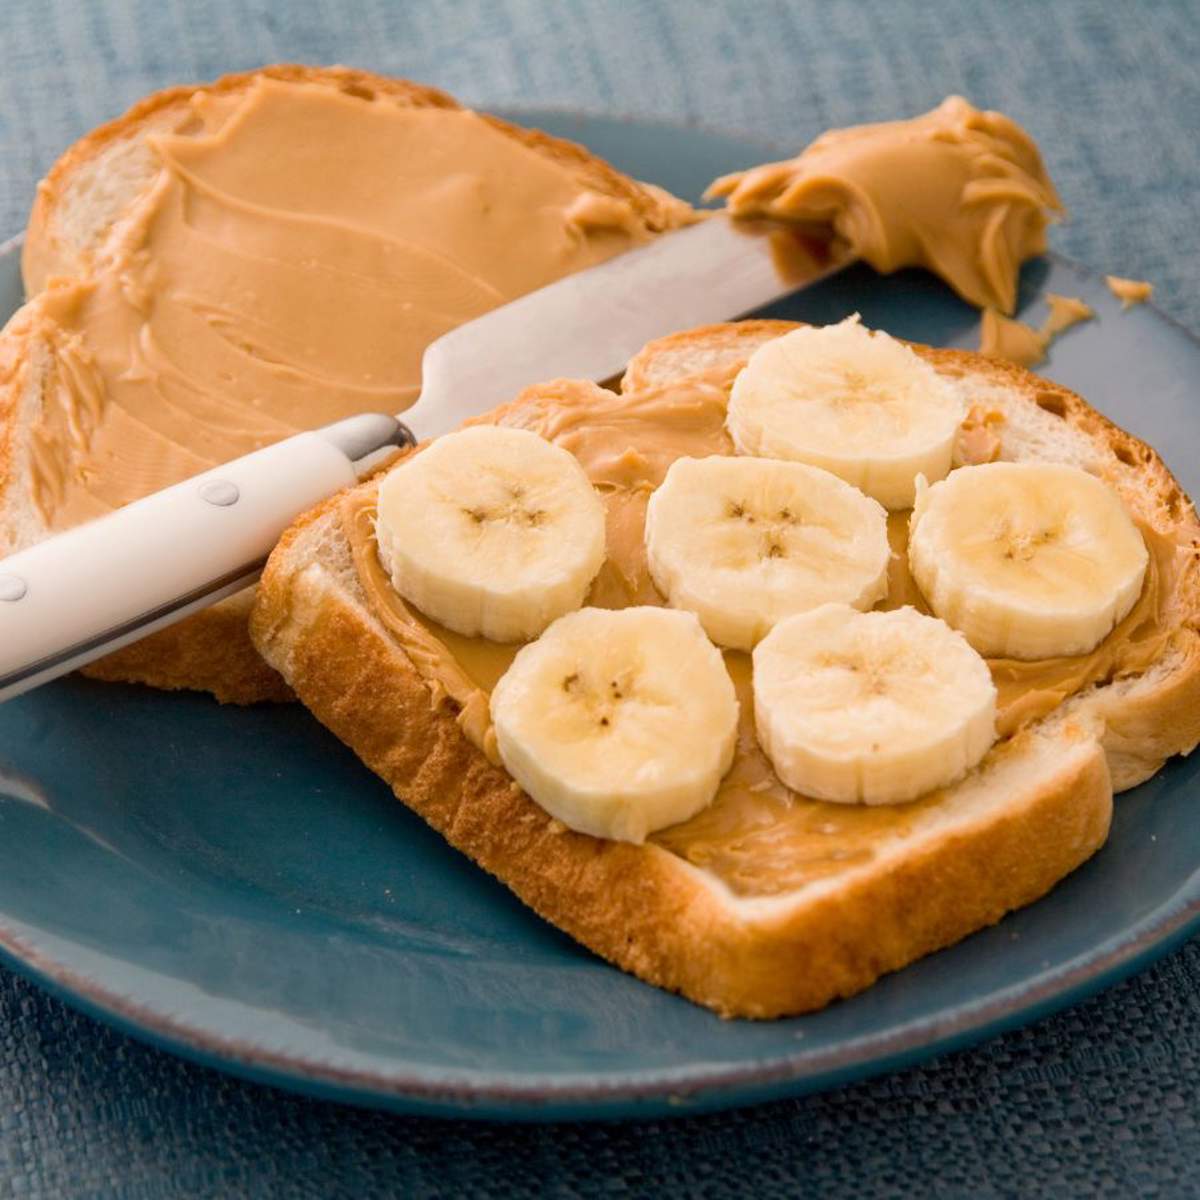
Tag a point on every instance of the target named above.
point(1104, 1099)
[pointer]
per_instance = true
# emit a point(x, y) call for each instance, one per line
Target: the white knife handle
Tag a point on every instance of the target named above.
point(81, 594)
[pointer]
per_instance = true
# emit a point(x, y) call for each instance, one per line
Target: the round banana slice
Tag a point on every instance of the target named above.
point(618, 722)
point(491, 531)
point(1028, 560)
point(856, 402)
point(745, 542)
point(871, 708)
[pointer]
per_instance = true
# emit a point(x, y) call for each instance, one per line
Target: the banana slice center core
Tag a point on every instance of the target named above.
point(513, 509)
point(600, 701)
point(774, 533)
point(859, 402)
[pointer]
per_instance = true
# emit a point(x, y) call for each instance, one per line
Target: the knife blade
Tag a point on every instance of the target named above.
point(79, 595)
point(588, 325)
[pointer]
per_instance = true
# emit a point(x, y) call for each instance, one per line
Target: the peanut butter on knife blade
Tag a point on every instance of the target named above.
point(959, 191)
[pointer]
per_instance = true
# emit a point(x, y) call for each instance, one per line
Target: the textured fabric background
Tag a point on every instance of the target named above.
point(1103, 1100)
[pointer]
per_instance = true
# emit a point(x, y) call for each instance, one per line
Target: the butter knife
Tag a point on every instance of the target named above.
point(79, 595)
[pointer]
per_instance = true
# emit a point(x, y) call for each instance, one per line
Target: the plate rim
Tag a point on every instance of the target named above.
point(661, 1092)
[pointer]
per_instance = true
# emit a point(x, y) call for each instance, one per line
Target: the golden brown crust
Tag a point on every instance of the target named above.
point(1143, 730)
point(212, 651)
point(650, 913)
point(925, 901)
point(13, 367)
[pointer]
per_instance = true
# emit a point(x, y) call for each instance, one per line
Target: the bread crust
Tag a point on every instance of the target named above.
point(45, 252)
point(646, 910)
point(212, 651)
point(214, 655)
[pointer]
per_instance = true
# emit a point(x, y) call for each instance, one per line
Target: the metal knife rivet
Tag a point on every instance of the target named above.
point(12, 588)
point(220, 492)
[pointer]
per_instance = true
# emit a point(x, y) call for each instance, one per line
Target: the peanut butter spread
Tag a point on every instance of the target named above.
point(958, 191)
point(298, 249)
point(757, 836)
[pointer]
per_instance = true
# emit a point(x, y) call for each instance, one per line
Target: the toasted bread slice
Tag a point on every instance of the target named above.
point(1038, 805)
point(82, 205)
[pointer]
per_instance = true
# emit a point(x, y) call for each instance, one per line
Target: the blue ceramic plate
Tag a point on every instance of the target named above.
point(234, 886)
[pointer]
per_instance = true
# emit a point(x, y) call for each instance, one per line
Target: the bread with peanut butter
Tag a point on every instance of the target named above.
point(761, 902)
point(226, 264)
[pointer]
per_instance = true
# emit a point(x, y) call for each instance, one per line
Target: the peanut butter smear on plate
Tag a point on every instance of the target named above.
point(1065, 312)
point(1006, 337)
point(958, 191)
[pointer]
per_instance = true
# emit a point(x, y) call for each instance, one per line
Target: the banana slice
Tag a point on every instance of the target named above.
point(745, 542)
point(856, 402)
point(1028, 560)
point(618, 722)
point(871, 708)
point(491, 531)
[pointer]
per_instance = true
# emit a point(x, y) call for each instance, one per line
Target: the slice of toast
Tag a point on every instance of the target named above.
point(81, 208)
point(1037, 806)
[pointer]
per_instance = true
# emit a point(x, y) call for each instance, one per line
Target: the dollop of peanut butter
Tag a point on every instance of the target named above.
point(1065, 311)
point(961, 192)
point(757, 836)
point(298, 249)
point(1129, 291)
point(978, 439)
